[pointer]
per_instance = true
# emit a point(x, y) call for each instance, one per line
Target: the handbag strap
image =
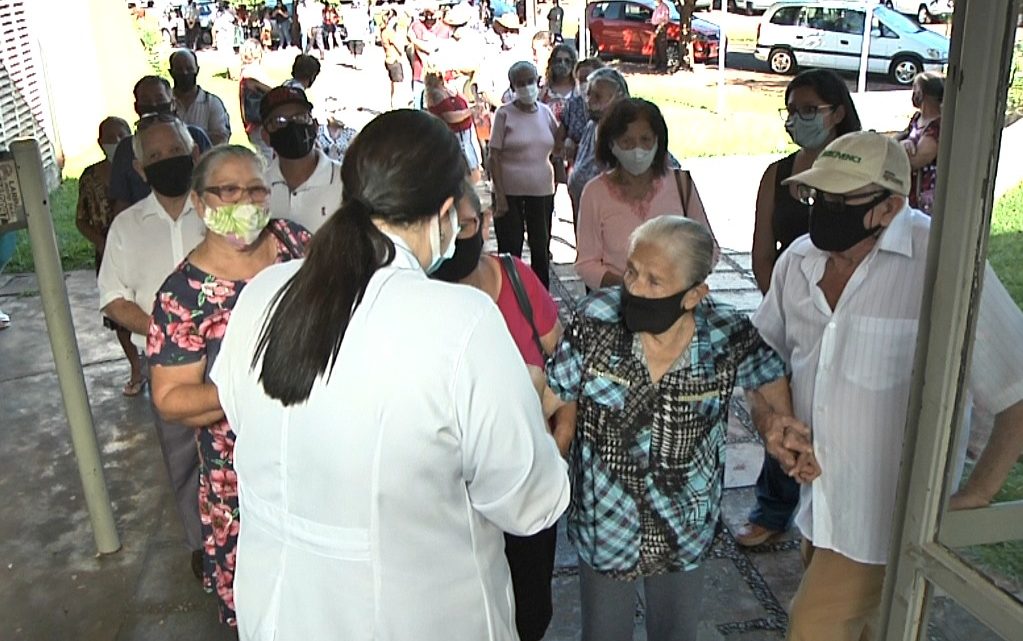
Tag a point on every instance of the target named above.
point(683, 194)
point(285, 239)
point(521, 297)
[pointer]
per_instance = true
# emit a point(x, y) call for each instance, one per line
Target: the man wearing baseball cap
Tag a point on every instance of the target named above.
point(843, 310)
point(305, 185)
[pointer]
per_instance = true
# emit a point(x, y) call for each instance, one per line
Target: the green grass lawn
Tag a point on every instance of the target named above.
point(1005, 251)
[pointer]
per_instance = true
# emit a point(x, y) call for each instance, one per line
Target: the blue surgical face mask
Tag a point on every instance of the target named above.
point(808, 134)
point(437, 257)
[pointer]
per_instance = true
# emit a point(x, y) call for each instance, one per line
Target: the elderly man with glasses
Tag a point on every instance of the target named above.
point(145, 243)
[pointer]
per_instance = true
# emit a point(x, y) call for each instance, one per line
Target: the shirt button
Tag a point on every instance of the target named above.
point(832, 325)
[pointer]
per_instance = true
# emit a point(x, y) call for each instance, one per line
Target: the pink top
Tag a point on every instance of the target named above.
point(545, 312)
point(606, 221)
point(525, 140)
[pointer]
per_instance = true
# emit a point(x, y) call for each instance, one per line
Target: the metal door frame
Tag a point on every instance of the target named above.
point(983, 35)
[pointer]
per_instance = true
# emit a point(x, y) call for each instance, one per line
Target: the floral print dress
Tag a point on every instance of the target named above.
point(189, 320)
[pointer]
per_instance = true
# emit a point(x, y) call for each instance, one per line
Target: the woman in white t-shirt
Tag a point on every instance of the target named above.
point(387, 428)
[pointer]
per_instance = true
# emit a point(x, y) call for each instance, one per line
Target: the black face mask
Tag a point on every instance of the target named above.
point(836, 228)
point(293, 141)
point(171, 176)
point(465, 260)
point(183, 81)
point(158, 108)
point(652, 315)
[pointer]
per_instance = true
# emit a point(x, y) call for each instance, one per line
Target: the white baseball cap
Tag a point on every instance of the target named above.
point(856, 160)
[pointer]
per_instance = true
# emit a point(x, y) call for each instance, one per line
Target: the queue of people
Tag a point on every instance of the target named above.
point(348, 391)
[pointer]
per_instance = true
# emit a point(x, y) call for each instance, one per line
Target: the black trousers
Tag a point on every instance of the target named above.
point(661, 50)
point(531, 561)
point(532, 215)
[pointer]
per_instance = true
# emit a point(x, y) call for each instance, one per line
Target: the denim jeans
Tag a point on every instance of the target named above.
point(777, 497)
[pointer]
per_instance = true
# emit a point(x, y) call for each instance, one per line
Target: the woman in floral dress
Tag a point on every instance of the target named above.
point(190, 316)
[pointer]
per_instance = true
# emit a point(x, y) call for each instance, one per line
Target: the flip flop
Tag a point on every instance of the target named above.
point(134, 388)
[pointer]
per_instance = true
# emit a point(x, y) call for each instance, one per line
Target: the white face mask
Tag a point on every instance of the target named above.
point(108, 149)
point(527, 95)
point(436, 255)
point(636, 160)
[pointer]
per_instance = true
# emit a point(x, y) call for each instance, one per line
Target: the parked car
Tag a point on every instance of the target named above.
point(924, 10)
point(623, 28)
point(829, 34)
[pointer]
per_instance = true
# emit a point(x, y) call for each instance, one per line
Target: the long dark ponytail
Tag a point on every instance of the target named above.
point(399, 169)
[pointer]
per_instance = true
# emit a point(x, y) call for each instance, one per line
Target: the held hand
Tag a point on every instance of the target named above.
point(910, 147)
point(786, 439)
point(807, 468)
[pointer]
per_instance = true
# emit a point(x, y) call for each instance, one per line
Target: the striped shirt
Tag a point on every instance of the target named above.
point(648, 458)
point(852, 369)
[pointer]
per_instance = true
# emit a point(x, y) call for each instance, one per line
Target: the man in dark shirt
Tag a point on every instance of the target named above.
point(555, 19)
point(152, 95)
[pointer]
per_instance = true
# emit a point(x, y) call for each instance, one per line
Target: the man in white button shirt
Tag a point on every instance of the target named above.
point(843, 310)
point(195, 105)
point(145, 243)
point(305, 185)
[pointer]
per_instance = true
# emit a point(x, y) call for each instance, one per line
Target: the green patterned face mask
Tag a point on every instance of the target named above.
point(239, 223)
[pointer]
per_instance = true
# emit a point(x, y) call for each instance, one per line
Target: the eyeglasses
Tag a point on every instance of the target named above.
point(809, 195)
point(806, 112)
point(280, 122)
point(468, 229)
point(149, 119)
point(233, 193)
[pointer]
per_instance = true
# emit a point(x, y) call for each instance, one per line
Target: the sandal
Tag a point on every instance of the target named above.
point(134, 388)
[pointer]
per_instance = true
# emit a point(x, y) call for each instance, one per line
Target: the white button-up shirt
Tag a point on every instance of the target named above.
point(208, 113)
point(375, 509)
point(313, 201)
point(852, 369)
point(143, 247)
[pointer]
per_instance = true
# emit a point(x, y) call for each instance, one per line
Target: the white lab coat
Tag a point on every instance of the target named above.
point(375, 510)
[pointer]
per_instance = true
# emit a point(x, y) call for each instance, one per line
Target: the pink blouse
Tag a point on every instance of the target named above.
point(606, 221)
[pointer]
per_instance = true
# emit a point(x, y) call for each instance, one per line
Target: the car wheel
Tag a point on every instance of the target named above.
point(782, 61)
point(904, 70)
point(674, 54)
point(207, 38)
point(923, 16)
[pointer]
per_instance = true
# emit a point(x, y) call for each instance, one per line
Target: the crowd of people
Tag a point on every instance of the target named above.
point(371, 426)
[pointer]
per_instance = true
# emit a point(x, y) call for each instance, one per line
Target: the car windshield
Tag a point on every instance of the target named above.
point(896, 21)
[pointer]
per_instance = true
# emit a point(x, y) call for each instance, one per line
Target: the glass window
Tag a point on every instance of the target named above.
point(787, 16)
point(637, 13)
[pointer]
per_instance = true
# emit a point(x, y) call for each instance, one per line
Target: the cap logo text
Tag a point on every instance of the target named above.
point(841, 155)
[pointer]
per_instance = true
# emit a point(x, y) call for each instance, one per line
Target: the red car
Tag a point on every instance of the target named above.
point(622, 28)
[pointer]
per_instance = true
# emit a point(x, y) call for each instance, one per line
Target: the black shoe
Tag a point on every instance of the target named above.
point(197, 564)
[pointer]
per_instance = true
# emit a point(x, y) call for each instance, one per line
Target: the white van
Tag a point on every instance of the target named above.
point(829, 34)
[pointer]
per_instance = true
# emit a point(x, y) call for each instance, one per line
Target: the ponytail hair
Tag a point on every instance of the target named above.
point(399, 169)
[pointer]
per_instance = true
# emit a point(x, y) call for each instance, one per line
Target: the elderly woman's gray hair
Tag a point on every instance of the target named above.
point(215, 157)
point(610, 76)
point(518, 67)
point(688, 243)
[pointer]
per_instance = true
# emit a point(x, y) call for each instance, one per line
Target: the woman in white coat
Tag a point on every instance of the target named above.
point(387, 429)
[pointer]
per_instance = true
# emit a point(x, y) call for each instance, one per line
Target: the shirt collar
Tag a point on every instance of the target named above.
point(404, 258)
point(324, 173)
point(154, 208)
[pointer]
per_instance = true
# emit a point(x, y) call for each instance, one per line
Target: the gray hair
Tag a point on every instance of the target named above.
point(179, 127)
point(519, 66)
point(686, 242)
point(611, 76)
point(215, 157)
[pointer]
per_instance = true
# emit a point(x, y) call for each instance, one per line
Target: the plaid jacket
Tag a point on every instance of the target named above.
point(648, 459)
